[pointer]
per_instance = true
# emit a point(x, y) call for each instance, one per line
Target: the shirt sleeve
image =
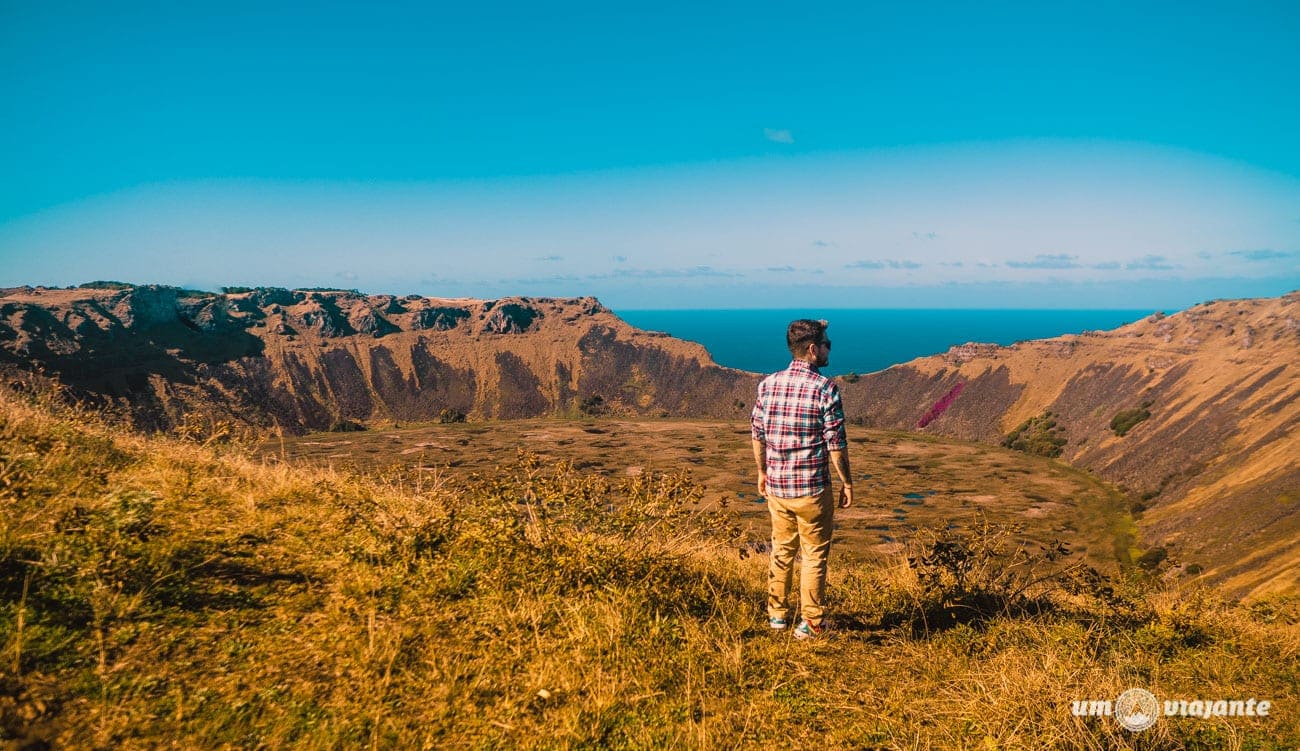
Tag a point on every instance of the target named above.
point(833, 420)
point(757, 430)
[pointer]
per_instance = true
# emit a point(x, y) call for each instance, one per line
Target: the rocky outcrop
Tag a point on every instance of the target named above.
point(308, 359)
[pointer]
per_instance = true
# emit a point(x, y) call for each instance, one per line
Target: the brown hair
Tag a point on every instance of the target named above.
point(803, 332)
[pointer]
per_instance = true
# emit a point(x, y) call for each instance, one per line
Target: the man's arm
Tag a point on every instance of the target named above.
point(837, 442)
point(760, 458)
point(840, 461)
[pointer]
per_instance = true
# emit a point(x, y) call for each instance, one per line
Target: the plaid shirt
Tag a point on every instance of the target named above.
point(799, 416)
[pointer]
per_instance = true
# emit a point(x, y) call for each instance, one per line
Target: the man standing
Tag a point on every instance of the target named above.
point(798, 433)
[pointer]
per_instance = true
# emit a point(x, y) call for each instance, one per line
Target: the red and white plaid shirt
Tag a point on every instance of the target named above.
point(798, 414)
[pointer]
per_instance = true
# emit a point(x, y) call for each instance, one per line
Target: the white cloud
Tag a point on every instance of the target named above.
point(1047, 261)
point(1264, 254)
point(1151, 263)
point(778, 136)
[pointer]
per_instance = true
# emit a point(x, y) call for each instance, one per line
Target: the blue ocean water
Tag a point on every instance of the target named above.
point(863, 341)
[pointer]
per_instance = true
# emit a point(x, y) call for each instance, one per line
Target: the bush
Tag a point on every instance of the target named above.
point(346, 426)
point(1040, 436)
point(593, 406)
point(1151, 559)
point(972, 578)
point(1124, 420)
point(448, 416)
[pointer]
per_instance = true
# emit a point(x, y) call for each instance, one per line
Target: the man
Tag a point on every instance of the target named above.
point(798, 433)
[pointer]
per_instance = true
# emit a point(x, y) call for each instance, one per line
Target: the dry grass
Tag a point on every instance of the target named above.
point(158, 592)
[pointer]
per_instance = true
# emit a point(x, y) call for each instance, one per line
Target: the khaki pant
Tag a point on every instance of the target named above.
point(800, 524)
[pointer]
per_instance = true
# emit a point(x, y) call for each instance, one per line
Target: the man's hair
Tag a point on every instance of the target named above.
point(803, 332)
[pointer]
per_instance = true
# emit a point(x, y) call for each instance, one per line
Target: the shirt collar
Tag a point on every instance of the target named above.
point(803, 365)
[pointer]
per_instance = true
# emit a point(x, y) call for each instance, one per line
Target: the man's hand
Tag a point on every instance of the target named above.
point(762, 484)
point(846, 496)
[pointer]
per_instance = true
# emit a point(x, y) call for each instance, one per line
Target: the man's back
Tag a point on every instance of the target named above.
point(798, 415)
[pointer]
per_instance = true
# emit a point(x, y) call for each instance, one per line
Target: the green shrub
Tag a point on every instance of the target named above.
point(1124, 420)
point(1040, 436)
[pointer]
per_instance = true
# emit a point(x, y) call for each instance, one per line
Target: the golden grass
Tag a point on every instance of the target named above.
point(157, 592)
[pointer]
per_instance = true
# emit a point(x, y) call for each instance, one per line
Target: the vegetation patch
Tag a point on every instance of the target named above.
point(102, 284)
point(1124, 420)
point(1040, 436)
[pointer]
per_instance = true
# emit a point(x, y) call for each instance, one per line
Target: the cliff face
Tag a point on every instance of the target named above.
point(308, 359)
point(1216, 459)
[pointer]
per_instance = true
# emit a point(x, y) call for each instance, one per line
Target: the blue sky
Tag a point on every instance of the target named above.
point(728, 155)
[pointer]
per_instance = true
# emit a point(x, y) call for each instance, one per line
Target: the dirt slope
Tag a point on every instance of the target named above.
point(1216, 464)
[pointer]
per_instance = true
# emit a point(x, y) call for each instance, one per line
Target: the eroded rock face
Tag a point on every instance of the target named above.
point(303, 359)
point(438, 318)
point(511, 318)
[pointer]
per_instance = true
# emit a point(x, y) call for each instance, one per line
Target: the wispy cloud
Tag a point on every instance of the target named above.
point(551, 259)
point(951, 264)
point(925, 235)
point(351, 276)
point(1105, 265)
point(823, 244)
point(883, 264)
point(778, 135)
point(1150, 263)
point(552, 279)
point(685, 273)
point(620, 259)
point(1047, 261)
point(1263, 254)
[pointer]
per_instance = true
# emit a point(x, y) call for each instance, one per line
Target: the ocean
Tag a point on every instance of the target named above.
point(863, 341)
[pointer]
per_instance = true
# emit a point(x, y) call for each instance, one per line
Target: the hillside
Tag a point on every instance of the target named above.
point(155, 592)
point(1212, 455)
point(310, 359)
point(1205, 399)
